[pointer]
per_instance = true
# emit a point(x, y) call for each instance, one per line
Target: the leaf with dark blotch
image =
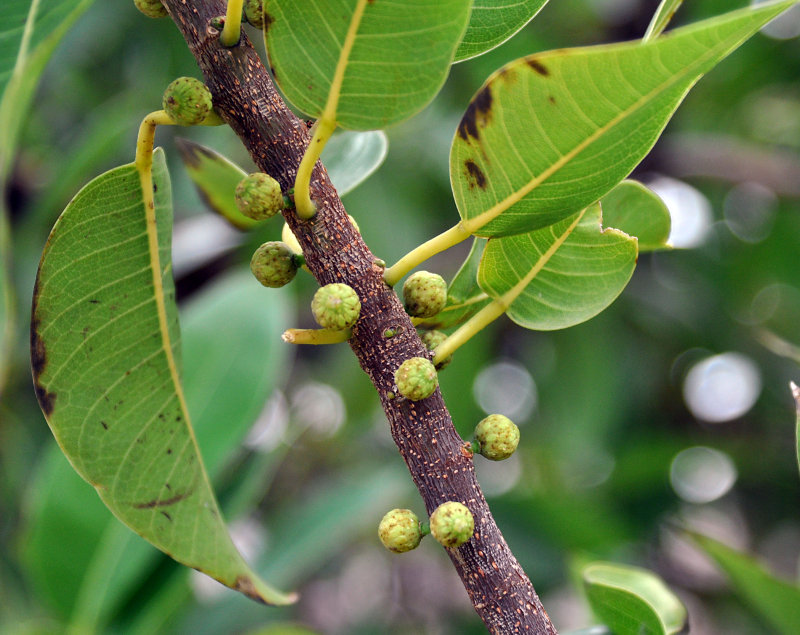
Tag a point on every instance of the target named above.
point(633, 601)
point(105, 347)
point(561, 275)
point(550, 134)
point(492, 22)
point(638, 211)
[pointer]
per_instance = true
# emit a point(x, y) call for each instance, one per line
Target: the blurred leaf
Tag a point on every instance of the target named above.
point(29, 33)
point(633, 601)
point(796, 395)
point(395, 63)
point(638, 211)
point(464, 297)
point(551, 133)
point(215, 178)
point(775, 600)
point(282, 629)
point(104, 343)
point(350, 158)
point(492, 22)
point(661, 18)
point(561, 275)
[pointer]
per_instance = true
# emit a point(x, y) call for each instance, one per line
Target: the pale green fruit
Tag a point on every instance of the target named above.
point(452, 524)
point(498, 437)
point(187, 101)
point(432, 339)
point(151, 8)
point(336, 306)
point(254, 13)
point(258, 196)
point(416, 378)
point(399, 530)
point(274, 264)
point(424, 294)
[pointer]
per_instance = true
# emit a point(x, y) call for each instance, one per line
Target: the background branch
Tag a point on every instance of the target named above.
point(423, 431)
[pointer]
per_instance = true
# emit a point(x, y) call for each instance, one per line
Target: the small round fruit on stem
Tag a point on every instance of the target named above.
point(400, 530)
point(151, 8)
point(336, 306)
point(258, 196)
point(187, 101)
point(416, 378)
point(274, 264)
point(452, 524)
point(424, 294)
point(432, 339)
point(497, 436)
point(254, 12)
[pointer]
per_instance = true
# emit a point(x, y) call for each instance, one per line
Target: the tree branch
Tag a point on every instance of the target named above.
point(440, 465)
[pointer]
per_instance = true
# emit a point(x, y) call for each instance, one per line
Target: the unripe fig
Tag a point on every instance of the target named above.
point(498, 437)
point(336, 306)
point(254, 13)
point(452, 524)
point(187, 101)
point(151, 8)
point(432, 339)
point(416, 378)
point(399, 530)
point(274, 264)
point(258, 196)
point(424, 294)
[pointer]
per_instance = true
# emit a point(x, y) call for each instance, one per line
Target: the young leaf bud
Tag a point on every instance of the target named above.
point(416, 378)
point(399, 530)
point(432, 339)
point(151, 8)
point(254, 12)
point(274, 264)
point(498, 437)
point(452, 524)
point(258, 196)
point(424, 294)
point(187, 101)
point(336, 306)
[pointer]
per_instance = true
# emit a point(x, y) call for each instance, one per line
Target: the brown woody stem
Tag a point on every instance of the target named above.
point(423, 431)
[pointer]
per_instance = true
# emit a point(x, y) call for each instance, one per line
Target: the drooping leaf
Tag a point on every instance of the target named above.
point(796, 395)
point(661, 18)
point(350, 158)
point(561, 275)
point(222, 345)
point(633, 601)
point(638, 211)
point(29, 33)
point(492, 22)
point(464, 296)
point(776, 601)
point(391, 57)
point(105, 350)
point(549, 134)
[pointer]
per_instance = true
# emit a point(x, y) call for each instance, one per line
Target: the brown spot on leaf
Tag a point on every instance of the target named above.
point(167, 516)
point(477, 115)
point(163, 502)
point(39, 357)
point(475, 174)
point(268, 20)
point(537, 66)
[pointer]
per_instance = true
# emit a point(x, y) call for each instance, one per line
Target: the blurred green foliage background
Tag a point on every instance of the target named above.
point(626, 428)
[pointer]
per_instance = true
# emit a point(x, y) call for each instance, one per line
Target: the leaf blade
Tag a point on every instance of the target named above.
point(393, 63)
point(666, 9)
point(596, 112)
point(105, 355)
point(638, 211)
point(492, 22)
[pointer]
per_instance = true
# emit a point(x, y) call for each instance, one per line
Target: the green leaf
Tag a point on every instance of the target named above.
point(394, 62)
point(561, 275)
point(493, 22)
point(661, 18)
point(796, 395)
point(638, 211)
point(105, 350)
point(29, 33)
point(349, 157)
point(775, 600)
point(633, 601)
point(464, 296)
point(549, 134)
